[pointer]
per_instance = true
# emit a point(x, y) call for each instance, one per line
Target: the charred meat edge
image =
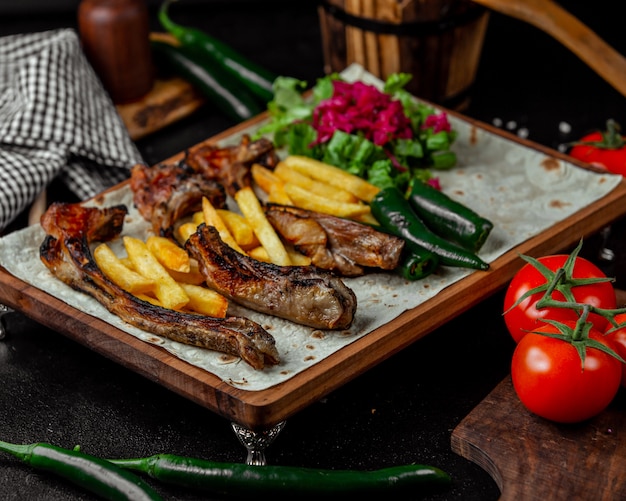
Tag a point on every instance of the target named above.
point(230, 165)
point(305, 295)
point(65, 251)
point(166, 192)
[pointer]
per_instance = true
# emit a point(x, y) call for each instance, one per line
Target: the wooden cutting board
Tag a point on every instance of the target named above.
point(530, 458)
point(169, 100)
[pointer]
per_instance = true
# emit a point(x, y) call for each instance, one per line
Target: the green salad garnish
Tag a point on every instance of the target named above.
point(385, 136)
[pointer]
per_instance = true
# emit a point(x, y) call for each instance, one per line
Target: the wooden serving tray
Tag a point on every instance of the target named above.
point(532, 458)
point(258, 410)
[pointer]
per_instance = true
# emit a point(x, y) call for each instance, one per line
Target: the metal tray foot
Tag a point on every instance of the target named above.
point(3, 311)
point(257, 441)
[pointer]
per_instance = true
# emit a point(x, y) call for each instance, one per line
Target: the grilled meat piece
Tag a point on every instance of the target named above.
point(230, 165)
point(166, 192)
point(70, 229)
point(333, 243)
point(303, 294)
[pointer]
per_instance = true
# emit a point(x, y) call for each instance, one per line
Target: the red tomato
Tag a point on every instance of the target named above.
point(606, 150)
point(618, 338)
point(550, 381)
point(526, 317)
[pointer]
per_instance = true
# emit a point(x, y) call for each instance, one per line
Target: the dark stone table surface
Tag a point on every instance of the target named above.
point(404, 410)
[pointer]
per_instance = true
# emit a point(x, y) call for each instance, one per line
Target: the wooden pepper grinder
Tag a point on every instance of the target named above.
point(115, 37)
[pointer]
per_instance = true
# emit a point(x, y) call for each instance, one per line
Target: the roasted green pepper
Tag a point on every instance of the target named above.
point(256, 78)
point(395, 215)
point(91, 473)
point(449, 218)
point(238, 479)
point(219, 87)
point(417, 263)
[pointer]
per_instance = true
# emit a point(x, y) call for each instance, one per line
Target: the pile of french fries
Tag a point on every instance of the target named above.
point(161, 272)
point(310, 184)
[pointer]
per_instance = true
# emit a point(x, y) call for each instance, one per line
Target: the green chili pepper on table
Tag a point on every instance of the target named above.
point(91, 473)
point(449, 218)
point(240, 479)
point(257, 79)
point(218, 86)
point(395, 215)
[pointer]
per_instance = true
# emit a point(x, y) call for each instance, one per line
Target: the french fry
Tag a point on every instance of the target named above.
point(149, 299)
point(205, 301)
point(264, 177)
point(168, 253)
point(239, 228)
point(127, 262)
point(278, 195)
point(212, 218)
point(307, 200)
point(251, 208)
point(291, 175)
point(197, 218)
point(297, 259)
point(271, 184)
point(169, 293)
point(193, 276)
point(201, 300)
point(330, 174)
point(260, 254)
point(115, 269)
point(185, 230)
point(367, 219)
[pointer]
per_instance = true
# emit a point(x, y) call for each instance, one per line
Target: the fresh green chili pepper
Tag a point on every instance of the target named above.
point(256, 78)
point(449, 218)
point(91, 473)
point(417, 263)
point(218, 86)
point(394, 213)
point(240, 479)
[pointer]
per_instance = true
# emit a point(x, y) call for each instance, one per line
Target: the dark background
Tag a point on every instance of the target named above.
point(402, 411)
point(525, 76)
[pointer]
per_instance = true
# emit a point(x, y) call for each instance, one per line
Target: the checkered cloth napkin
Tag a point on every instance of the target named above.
point(56, 120)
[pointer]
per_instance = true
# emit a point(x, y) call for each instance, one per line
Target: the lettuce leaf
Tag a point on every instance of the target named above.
point(387, 137)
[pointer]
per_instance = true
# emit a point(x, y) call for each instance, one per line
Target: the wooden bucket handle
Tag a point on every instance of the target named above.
point(571, 32)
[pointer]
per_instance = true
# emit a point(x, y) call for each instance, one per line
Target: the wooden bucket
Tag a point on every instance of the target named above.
point(439, 42)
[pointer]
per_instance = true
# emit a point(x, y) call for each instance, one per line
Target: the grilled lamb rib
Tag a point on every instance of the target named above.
point(333, 243)
point(70, 229)
point(166, 192)
point(230, 165)
point(303, 294)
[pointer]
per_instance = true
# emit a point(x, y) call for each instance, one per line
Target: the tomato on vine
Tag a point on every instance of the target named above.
point(566, 372)
point(604, 149)
point(618, 337)
point(577, 281)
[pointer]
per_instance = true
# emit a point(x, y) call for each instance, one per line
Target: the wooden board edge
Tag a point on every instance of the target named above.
point(268, 407)
point(265, 408)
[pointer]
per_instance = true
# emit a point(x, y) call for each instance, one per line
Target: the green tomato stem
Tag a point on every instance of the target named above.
point(611, 138)
point(563, 281)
